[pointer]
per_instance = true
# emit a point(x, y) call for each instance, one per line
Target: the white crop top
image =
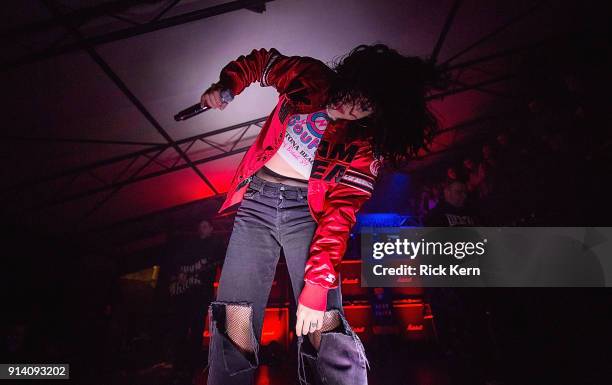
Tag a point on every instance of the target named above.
point(303, 134)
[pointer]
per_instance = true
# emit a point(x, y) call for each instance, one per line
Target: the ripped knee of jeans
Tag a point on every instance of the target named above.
point(335, 336)
point(341, 326)
point(232, 336)
point(331, 322)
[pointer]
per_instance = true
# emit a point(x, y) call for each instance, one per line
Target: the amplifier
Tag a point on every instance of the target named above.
point(350, 275)
point(415, 320)
point(360, 319)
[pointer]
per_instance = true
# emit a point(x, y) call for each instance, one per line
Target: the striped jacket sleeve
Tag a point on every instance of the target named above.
point(330, 240)
point(291, 75)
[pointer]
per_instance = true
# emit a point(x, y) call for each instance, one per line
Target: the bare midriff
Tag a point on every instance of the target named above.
point(278, 165)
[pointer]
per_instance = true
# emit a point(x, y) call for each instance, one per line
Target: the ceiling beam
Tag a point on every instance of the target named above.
point(496, 31)
point(126, 33)
point(117, 160)
point(445, 29)
point(77, 16)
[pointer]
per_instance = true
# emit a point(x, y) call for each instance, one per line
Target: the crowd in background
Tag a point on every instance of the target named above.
point(540, 168)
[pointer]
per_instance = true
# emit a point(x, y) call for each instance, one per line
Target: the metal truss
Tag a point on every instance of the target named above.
point(111, 175)
point(447, 25)
point(112, 9)
point(71, 23)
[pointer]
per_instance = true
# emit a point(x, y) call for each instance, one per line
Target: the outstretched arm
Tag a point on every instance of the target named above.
point(331, 236)
point(291, 75)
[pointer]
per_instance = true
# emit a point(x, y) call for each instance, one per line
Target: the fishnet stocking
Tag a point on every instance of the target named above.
point(331, 321)
point(238, 326)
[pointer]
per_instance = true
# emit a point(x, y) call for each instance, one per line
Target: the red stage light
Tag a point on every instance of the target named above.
point(275, 327)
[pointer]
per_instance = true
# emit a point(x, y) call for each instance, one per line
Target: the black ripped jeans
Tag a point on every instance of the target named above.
point(273, 216)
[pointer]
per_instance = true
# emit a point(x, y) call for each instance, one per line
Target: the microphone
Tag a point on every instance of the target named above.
point(226, 96)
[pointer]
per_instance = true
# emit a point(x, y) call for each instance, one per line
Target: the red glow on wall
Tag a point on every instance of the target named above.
point(263, 375)
point(275, 327)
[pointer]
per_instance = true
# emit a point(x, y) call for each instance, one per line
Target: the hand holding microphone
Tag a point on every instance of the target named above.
point(214, 97)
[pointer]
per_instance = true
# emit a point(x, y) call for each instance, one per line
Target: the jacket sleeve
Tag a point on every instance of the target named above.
point(330, 239)
point(291, 75)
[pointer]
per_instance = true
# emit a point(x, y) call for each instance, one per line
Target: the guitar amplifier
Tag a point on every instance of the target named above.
point(350, 275)
point(404, 292)
point(360, 319)
point(415, 320)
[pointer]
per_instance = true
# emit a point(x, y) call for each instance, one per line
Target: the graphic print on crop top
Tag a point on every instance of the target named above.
point(303, 134)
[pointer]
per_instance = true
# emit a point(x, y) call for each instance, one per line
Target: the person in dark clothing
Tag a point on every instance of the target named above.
point(452, 210)
point(190, 269)
point(460, 312)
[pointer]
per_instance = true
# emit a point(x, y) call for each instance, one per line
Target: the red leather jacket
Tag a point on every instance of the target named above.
point(343, 173)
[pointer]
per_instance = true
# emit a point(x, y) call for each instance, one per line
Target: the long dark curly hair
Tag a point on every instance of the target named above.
point(396, 87)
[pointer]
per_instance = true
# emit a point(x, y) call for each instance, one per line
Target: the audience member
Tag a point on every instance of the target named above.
point(189, 269)
point(452, 211)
